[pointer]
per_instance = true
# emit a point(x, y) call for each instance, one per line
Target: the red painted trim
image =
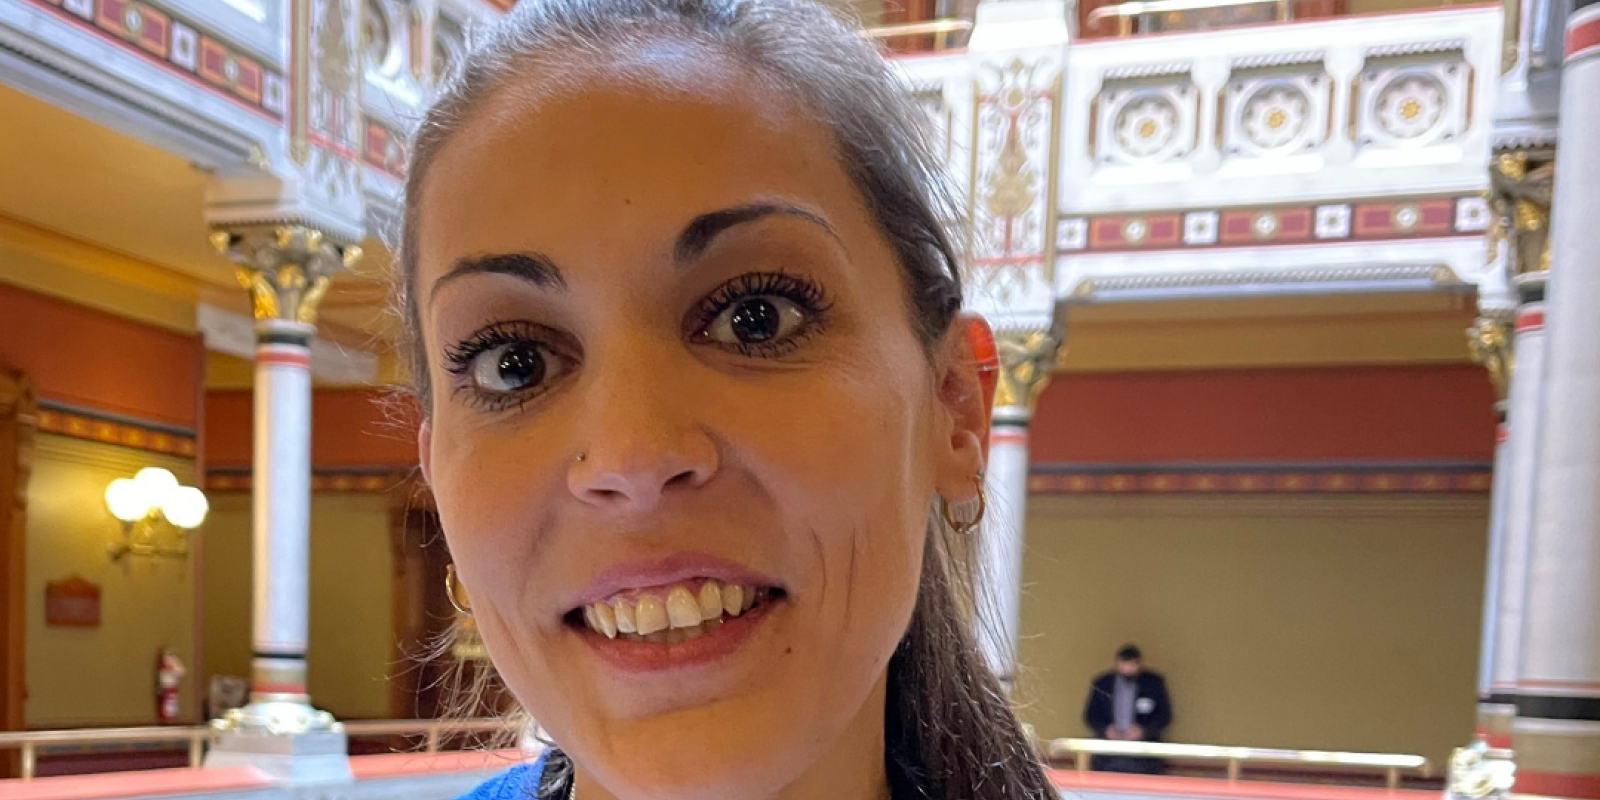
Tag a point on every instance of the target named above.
point(1530, 319)
point(1008, 437)
point(1583, 37)
point(1501, 740)
point(1172, 786)
point(291, 356)
point(1558, 784)
point(286, 687)
point(1502, 433)
point(159, 782)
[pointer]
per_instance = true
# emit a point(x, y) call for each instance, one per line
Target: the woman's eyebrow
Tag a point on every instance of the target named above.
point(697, 235)
point(535, 268)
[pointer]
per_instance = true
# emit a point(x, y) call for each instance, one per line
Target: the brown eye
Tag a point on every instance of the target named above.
point(511, 367)
point(756, 319)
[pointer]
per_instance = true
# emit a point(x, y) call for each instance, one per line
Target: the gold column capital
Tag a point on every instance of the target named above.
point(286, 268)
point(1521, 185)
point(1027, 359)
point(1489, 340)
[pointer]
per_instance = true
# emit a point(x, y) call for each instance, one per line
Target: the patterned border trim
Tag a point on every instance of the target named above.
point(384, 148)
point(1417, 48)
point(180, 47)
point(79, 425)
point(1358, 220)
point(1437, 276)
point(1279, 60)
point(1397, 481)
point(235, 480)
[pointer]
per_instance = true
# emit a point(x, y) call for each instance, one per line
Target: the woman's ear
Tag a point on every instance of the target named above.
point(425, 450)
point(970, 365)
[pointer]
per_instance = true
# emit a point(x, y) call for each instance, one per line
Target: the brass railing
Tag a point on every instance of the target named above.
point(432, 731)
point(1081, 750)
point(940, 29)
point(1126, 13)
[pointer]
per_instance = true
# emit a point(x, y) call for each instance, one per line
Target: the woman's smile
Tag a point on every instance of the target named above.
point(687, 610)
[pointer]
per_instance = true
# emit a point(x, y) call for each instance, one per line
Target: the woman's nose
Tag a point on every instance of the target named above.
point(639, 439)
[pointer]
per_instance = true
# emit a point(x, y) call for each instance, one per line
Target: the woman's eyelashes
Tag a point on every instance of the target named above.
point(757, 315)
point(507, 364)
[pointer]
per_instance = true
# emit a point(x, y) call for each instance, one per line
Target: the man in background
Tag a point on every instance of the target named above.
point(1128, 703)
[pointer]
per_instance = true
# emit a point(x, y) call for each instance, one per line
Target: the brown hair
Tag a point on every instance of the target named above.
point(949, 730)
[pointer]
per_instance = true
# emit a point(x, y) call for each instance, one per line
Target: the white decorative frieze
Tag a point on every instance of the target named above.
point(1146, 119)
point(1276, 110)
point(1411, 98)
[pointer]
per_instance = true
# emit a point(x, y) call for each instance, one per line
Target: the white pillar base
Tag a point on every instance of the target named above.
point(312, 757)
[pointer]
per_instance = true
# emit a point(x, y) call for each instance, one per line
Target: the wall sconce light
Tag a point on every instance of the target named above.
point(149, 502)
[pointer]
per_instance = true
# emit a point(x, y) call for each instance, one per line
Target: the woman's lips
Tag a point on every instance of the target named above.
point(684, 608)
point(634, 576)
point(683, 647)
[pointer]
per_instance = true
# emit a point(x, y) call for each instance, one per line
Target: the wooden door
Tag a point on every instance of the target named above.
point(18, 418)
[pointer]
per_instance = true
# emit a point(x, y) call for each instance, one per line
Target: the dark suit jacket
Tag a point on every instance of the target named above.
point(1152, 708)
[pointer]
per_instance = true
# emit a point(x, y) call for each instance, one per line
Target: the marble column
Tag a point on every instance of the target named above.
point(1027, 359)
point(1491, 344)
point(1524, 407)
point(1520, 196)
point(286, 269)
point(1556, 733)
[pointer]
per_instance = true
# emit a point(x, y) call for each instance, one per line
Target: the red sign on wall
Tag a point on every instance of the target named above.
point(72, 601)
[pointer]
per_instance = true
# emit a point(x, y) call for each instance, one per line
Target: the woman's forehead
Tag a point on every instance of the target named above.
point(622, 149)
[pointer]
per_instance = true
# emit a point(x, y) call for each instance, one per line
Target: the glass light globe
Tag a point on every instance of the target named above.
point(186, 507)
point(156, 484)
point(126, 499)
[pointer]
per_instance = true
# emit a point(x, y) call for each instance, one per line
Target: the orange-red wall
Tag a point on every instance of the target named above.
point(350, 428)
point(1408, 413)
point(90, 358)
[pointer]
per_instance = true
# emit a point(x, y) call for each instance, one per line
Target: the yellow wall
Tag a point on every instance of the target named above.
point(1378, 6)
point(352, 630)
point(1308, 622)
point(103, 675)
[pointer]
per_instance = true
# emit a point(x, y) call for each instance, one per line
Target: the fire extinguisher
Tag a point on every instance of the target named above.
point(169, 674)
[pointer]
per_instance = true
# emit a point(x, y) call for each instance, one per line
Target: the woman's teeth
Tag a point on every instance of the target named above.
point(684, 614)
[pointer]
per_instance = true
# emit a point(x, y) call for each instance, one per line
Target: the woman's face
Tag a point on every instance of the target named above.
point(676, 389)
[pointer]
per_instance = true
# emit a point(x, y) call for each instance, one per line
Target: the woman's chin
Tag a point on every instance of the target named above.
point(721, 755)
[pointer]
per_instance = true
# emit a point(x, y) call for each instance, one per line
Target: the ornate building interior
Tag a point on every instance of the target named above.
point(1278, 399)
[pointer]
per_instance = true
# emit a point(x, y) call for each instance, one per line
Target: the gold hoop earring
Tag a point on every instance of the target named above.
point(969, 526)
point(452, 588)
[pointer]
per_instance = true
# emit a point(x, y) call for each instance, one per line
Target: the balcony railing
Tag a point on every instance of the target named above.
point(1392, 766)
point(946, 33)
point(433, 733)
point(1128, 13)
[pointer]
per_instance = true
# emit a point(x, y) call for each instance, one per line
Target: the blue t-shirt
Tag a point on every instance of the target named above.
point(520, 782)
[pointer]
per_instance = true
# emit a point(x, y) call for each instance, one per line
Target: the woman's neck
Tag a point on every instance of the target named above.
point(851, 769)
